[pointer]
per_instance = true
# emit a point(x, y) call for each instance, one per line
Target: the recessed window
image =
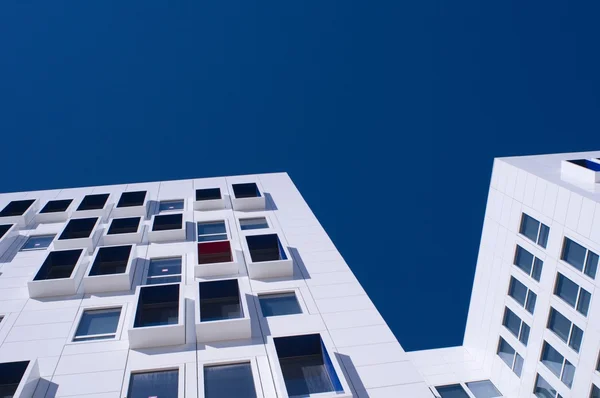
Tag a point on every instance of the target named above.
point(516, 326)
point(306, 366)
point(56, 206)
point(4, 229)
point(132, 199)
point(543, 389)
point(159, 384)
point(93, 202)
point(557, 364)
point(164, 270)
point(167, 222)
point(253, 223)
point(265, 248)
point(452, 391)
point(111, 260)
point(595, 392)
point(37, 242)
point(16, 208)
point(11, 374)
point(510, 356)
point(577, 297)
point(220, 300)
point(522, 295)
point(208, 194)
point(247, 190)
point(213, 230)
point(229, 381)
point(214, 252)
point(565, 329)
point(157, 306)
point(100, 324)
point(534, 230)
point(124, 226)
point(170, 205)
point(279, 304)
point(580, 258)
point(528, 263)
point(78, 228)
point(58, 265)
point(483, 389)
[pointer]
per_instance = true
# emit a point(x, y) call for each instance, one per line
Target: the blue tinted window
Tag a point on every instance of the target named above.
point(591, 264)
point(253, 223)
point(229, 381)
point(164, 270)
point(518, 368)
point(595, 393)
point(170, 205)
point(483, 389)
point(506, 352)
point(211, 231)
point(576, 337)
point(154, 384)
point(559, 324)
point(552, 359)
point(524, 337)
point(523, 259)
point(279, 304)
point(98, 324)
point(38, 242)
point(529, 227)
point(566, 289)
point(517, 291)
point(512, 322)
point(543, 389)
point(452, 391)
point(584, 301)
point(574, 254)
point(543, 238)
point(531, 299)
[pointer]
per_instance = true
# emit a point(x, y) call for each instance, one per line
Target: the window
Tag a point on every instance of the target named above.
point(132, 199)
point(164, 270)
point(595, 392)
point(580, 258)
point(577, 297)
point(483, 389)
point(79, 228)
point(510, 356)
point(565, 329)
point(170, 205)
point(253, 223)
point(56, 206)
point(306, 365)
point(529, 264)
point(229, 381)
point(516, 326)
point(157, 306)
point(58, 265)
point(16, 208)
point(11, 374)
point(265, 248)
point(452, 391)
point(247, 190)
point(543, 389)
point(4, 229)
point(534, 230)
point(100, 324)
point(557, 364)
point(93, 202)
point(214, 252)
point(124, 226)
point(37, 242)
point(279, 304)
point(159, 384)
point(220, 300)
point(111, 260)
point(588, 164)
point(208, 194)
point(522, 295)
point(213, 230)
point(168, 222)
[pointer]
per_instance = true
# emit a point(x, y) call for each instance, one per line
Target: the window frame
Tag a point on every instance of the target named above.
point(543, 372)
point(165, 257)
point(234, 361)
point(519, 334)
point(92, 212)
point(514, 358)
point(131, 211)
point(253, 217)
point(210, 204)
point(129, 371)
point(170, 211)
point(118, 333)
point(168, 235)
point(123, 239)
point(530, 291)
point(585, 260)
point(55, 216)
point(539, 231)
point(579, 293)
point(563, 365)
point(270, 268)
point(297, 293)
point(29, 379)
point(58, 286)
point(533, 263)
point(22, 248)
point(571, 329)
point(212, 221)
point(110, 282)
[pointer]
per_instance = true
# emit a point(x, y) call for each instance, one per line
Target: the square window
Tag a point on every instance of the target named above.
point(111, 260)
point(208, 194)
point(253, 223)
point(213, 230)
point(170, 205)
point(157, 306)
point(132, 199)
point(159, 384)
point(124, 226)
point(4, 229)
point(93, 202)
point(232, 380)
point(56, 206)
point(11, 374)
point(452, 391)
point(168, 222)
point(247, 190)
point(220, 300)
point(214, 252)
point(100, 324)
point(164, 270)
point(279, 304)
point(58, 265)
point(265, 248)
point(37, 242)
point(16, 208)
point(79, 228)
point(595, 393)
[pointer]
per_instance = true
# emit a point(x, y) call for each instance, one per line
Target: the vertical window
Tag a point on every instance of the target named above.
point(98, 324)
point(528, 263)
point(220, 300)
point(170, 205)
point(210, 231)
point(577, 297)
point(157, 306)
point(543, 389)
point(483, 389)
point(595, 392)
point(164, 270)
point(246, 190)
point(565, 329)
point(452, 391)
point(522, 295)
point(579, 257)
point(229, 381)
point(154, 384)
point(510, 356)
point(534, 230)
point(279, 304)
point(37, 242)
point(253, 223)
point(557, 364)
point(516, 326)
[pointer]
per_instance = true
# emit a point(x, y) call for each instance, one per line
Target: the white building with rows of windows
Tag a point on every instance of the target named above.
point(229, 287)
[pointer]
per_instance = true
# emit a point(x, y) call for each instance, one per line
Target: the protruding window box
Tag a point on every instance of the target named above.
point(18, 379)
point(78, 232)
point(122, 231)
point(267, 257)
point(159, 316)
point(111, 269)
point(60, 274)
point(19, 212)
point(8, 233)
point(55, 211)
point(209, 199)
point(221, 311)
point(584, 170)
point(247, 196)
point(95, 205)
point(167, 227)
point(131, 204)
point(216, 259)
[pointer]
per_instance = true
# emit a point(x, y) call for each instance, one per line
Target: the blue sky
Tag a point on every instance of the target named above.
point(387, 115)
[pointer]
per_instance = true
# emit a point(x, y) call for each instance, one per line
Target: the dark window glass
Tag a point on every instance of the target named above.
point(4, 229)
point(210, 231)
point(93, 202)
point(523, 260)
point(220, 300)
point(265, 248)
point(566, 289)
point(16, 208)
point(131, 199)
point(559, 324)
point(167, 222)
point(56, 206)
point(524, 337)
point(543, 238)
point(543, 389)
point(595, 393)
point(588, 164)
point(58, 265)
point(452, 391)
point(552, 359)
point(157, 306)
point(584, 301)
point(170, 205)
point(279, 304)
point(164, 270)
point(591, 264)
point(574, 254)
point(537, 269)
point(111, 260)
point(253, 223)
point(248, 190)
point(214, 252)
point(529, 227)
point(208, 194)
point(162, 384)
point(98, 324)
point(483, 389)
point(512, 322)
point(124, 226)
point(11, 374)
point(229, 381)
point(38, 242)
point(78, 228)
point(518, 291)
point(531, 299)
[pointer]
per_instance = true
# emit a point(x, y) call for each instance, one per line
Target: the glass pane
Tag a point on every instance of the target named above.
point(591, 265)
point(211, 228)
point(566, 289)
point(165, 266)
point(518, 291)
point(584, 302)
point(483, 389)
point(512, 322)
point(452, 391)
point(523, 259)
point(220, 308)
point(537, 269)
point(559, 324)
point(210, 238)
point(576, 337)
point(543, 238)
point(568, 374)
point(253, 223)
point(8, 390)
point(154, 384)
point(595, 393)
point(529, 227)
point(170, 205)
point(518, 368)
point(38, 242)
point(574, 254)
point(531, 299)
point(506, 352)
point(279, 304)
point(229, 381)
point(524, 334)
point(305, 375)
point(543, 389)
point(552, 359)
point(98, 322)
point(157, 280)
